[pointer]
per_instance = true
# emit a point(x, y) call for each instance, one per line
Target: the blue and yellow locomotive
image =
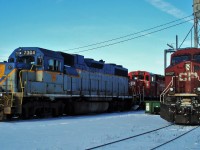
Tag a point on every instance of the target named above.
point(40, 82)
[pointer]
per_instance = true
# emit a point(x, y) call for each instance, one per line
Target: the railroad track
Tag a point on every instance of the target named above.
point(143, 134)
point(171, 140)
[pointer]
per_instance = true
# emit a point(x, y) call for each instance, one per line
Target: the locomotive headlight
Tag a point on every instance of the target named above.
point(171, 89)
point(198, 89)
point(1, 94)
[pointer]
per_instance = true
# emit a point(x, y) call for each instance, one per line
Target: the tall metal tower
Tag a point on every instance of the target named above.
point(196, 10)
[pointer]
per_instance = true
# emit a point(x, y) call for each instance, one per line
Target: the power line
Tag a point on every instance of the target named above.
point(3, 56)
point(186, 36)
point(128, 34)
point(134, 37)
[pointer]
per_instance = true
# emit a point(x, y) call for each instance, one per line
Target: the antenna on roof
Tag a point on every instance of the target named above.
point(171, 46)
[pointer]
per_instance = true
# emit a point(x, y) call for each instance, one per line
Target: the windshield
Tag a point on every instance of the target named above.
point(178, 59)
point(136, 77)
point(197, 58)
point(26, 59)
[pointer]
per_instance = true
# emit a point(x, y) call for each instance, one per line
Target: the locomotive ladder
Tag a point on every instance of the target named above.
point(7, 97)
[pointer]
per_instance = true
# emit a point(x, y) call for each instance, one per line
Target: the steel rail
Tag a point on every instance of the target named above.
point(174, 138)
point(124, 139)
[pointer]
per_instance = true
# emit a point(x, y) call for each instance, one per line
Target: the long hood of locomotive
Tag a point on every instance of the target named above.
point(83, 84)
point(183, 77)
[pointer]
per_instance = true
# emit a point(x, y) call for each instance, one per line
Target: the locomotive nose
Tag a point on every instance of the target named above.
point(2, 70)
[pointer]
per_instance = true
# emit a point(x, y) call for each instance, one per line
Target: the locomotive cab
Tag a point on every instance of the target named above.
point(24, 65)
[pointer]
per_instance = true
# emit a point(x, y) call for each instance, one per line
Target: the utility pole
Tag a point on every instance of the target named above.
point(196, 11)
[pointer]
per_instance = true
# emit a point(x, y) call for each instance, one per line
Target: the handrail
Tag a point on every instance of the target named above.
point(20, 79)
point(22, 87)
point(166, 89)
point(11, 86)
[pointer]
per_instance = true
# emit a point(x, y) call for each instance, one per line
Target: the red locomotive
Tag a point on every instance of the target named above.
point(145, 86)
point(180, 101)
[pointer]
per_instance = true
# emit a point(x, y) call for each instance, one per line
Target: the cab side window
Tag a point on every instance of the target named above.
point(57, 65)
point(152, 79)
point(147, 78)
point(197, 58)
point(54, 65)
point(50, 65)
point(39, 61)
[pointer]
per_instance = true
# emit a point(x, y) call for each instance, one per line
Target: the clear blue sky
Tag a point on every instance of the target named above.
point(65, 24)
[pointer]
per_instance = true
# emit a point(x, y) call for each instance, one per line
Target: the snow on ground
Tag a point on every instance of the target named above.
point(82, 132)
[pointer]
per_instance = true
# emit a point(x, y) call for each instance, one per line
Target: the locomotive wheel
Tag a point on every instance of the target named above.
point(5, 117)
point(24, 114)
